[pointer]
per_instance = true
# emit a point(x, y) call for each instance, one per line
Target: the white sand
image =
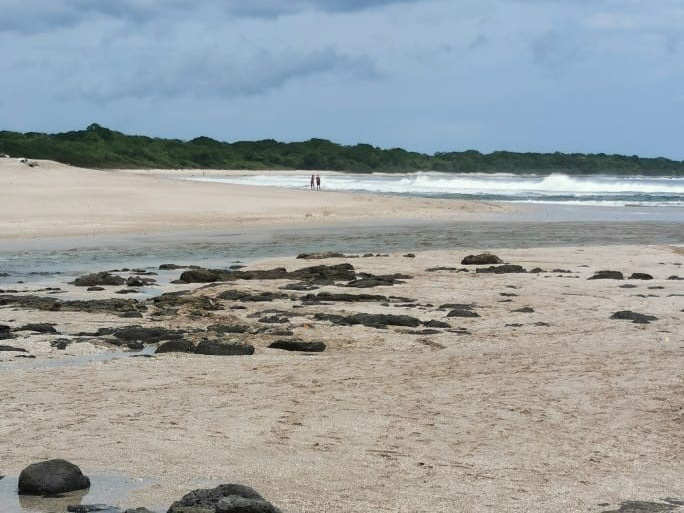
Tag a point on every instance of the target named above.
point(587, 410)
point(54, 200)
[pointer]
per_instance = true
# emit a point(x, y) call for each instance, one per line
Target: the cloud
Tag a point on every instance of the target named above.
point(215, 74)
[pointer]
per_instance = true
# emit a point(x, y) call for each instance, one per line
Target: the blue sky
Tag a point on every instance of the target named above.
point(427, 75)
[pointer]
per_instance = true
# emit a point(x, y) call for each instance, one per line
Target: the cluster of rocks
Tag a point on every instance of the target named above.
point(53, 477)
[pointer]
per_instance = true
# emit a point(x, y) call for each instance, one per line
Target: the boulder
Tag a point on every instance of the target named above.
point(436, 324)
point(207, 500)
point(14, 349)
point(674, 277)
point(481, 259)
point(320, 256)
point(298, 345)
point(41, 327)
point(223, 348)
point(462, 312)
point(5, 332)
point(635, 317)
point(92, 508)
point(501, 269)
point(379, 321)
point(95, 279)
point(607, 275)
point(176, 346)
point(51, 477)
point(199, 276)
point(640, 276)
point(525, 309)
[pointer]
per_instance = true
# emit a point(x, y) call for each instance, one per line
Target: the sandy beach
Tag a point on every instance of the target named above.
point(440, 389)
point(53, 199)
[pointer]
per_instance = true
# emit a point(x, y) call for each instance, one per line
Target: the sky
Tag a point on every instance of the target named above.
point(425, 75)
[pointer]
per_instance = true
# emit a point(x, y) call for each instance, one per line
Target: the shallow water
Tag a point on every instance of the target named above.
point(110, 489)
point(74, 361)
point(59, 260)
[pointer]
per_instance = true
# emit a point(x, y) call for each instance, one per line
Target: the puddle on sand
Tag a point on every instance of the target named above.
point(76, 361)
point(110, 489)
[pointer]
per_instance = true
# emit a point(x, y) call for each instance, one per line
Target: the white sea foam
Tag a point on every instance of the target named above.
point(554, 188)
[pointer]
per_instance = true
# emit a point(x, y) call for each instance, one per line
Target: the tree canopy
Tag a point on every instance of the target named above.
point(100, 147)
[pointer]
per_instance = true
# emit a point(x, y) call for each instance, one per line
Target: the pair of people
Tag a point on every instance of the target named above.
point(316, 182)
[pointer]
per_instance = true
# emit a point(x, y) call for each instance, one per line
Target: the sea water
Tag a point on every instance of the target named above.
point(595, 190)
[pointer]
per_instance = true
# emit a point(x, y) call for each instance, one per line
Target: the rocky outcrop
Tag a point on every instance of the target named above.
point(51, 477)
point(342, 297)
point(315, 274)
point(320, 256)
point(298, 345)
point(379, 321)
point(176, 346)
point(40, 327)
point(12, 349)
point(92, 306)
point(501, 269)
point(607, 275)
point(243, 296)
point(5, 332)
point(640, 276)
point(225, 498)
point(481, 259)
point(223, 348)
point(151, 335)
point(95, 279)
point(365, 280)
point(635, 317)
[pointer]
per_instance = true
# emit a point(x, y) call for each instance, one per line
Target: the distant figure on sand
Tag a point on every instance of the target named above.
point(312, 181)
point(318, 182)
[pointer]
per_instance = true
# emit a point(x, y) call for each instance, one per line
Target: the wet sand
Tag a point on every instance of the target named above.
point(557, 409)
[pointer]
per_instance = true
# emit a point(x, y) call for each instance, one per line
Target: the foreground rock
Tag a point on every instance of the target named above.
point(51, 477)
point(176, 346)
point(12, 349)
point(607, 275)
point(379, 321)
point(90, 306)
point(298, 345)
point(5, 332)
point(98, 279)
point(481, 259)
point(502, 269)
point(640, 276)
point(315, 274)
point(223, 348)
point(225, 498)
point(137, 333)
point(41, 327)
point(320, 256)
point(635, 317)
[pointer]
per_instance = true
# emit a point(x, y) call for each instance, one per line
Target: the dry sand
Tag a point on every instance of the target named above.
point(53, 200)
point(585, 411)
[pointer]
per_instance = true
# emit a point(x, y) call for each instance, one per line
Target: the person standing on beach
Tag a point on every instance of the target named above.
point(312, 182)
point(318, 182)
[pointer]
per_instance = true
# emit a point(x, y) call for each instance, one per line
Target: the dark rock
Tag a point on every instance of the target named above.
point(208, 499)
point(501, 269)
point(223, 348)
point(320, 256)
point(542, 324)
point(173, 267)
point(200, 276)
point(4, 275)
point(41, 327)
point(525, 309)
point(131, 315)
point(186, 298)
point(462, 312)
point(298, 345)
point(409, 255)
point(242, 296)
point(365, 280)
point(435, 269)
point(299, 286)
point(51, 477)
point(126, 291)
point(513, 325)
point(640, 276)
point(135, 281)
point(325, 273)
point(647, 507)
point(607, 275)
point(234, 504)
point(24, 356)
point(674, 277)
point(457, 306)
point(342, 297)
point(537, 270)
point(656, 287)
point(135, 345)
point(274, 319)
point(562, 271)
point(481, 259)
point(95, 289)
point(423, 332)
point(228, 328)
point(138, 510)
point(627, 286)
point(102, 278)
point(5, 332)
point(10, 348)
point(315, 274)
point(635, 317)
point(379, 321)
point(508, 294)
point(60, 343)
point(436, 324)
point(151, 335)
point(91, 508)
point(176, 346)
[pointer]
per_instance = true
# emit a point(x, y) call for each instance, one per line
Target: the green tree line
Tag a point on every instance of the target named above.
point(99, 147)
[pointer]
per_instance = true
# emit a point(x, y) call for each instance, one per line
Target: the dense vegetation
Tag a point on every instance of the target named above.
point(100, 147)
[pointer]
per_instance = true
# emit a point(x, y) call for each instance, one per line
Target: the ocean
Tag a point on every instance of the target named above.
point(593, 190)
